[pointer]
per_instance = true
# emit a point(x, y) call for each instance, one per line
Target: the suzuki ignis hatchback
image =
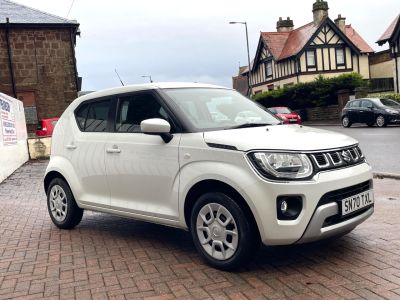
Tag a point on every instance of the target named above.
point(206, 159)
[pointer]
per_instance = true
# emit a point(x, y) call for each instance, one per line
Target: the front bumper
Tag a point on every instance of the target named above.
point(309, 225)
point(317, 231)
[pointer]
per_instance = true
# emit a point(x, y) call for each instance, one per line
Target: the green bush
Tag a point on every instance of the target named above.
point(393, 96)
point(320, 92)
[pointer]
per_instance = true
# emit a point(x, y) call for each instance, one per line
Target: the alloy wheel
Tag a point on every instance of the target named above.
point(58, 203)
point(380, 121)
point(345, 121)
point(217, 231)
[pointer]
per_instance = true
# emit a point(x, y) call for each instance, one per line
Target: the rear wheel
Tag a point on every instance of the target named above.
point(63, 210)
point(221, 231)
point(346, 121)
point(380, 121)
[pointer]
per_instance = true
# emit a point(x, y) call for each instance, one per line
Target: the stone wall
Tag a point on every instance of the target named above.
point(331, 112)
point(44, 70)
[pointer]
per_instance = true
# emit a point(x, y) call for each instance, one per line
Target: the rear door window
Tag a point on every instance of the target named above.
point(93, 116)
point(354, 104)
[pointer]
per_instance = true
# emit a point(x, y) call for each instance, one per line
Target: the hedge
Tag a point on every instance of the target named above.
point(320, 92)
point(393, 96)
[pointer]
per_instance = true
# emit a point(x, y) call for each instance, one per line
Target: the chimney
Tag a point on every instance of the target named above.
point(320, 11)
point(284, 25)
point(341, 23)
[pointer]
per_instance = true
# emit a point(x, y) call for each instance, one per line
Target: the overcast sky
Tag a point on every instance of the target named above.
point(185, 40)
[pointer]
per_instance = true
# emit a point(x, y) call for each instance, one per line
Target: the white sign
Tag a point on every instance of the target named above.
point(7, 122)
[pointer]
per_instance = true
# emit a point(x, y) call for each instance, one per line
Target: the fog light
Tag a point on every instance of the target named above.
point(283, 206)
point(289, 207)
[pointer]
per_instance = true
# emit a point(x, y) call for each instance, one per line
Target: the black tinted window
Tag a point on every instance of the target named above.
point(81, 115)
point(136, 108)
point(92, 116)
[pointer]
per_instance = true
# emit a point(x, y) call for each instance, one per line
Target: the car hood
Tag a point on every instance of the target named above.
point(279, 137)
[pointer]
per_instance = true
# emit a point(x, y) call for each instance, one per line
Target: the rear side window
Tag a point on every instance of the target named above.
point(92, 117)
point(136, 108)
point(355, 103)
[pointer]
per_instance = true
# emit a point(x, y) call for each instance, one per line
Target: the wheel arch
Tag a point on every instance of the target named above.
point(213, 185)
point(50, 176)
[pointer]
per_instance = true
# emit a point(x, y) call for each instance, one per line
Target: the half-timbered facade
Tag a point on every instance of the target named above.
point(392, 36)
point(289, 56)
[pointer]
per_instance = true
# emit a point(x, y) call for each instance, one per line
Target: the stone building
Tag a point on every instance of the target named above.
point(392, 37)
point(322, 47)
point(37, 60)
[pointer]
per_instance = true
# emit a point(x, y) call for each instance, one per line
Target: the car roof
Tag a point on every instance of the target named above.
point(147, 86)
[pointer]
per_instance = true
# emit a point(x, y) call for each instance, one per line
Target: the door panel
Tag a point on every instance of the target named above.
point(143, 174)
point(142, 170)
point(85, 151)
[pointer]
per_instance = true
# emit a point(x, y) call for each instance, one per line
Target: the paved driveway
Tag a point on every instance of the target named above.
point(110, 257)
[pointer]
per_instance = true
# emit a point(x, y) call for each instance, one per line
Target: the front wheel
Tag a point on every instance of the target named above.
point(346, 122)
point(221, 231)
point(380, 121)
point(63, 210)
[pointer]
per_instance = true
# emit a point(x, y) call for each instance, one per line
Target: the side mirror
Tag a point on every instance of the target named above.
point(157, 127)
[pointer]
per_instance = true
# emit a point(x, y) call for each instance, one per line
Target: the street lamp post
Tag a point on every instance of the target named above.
point(248, 53)
point(148, 76)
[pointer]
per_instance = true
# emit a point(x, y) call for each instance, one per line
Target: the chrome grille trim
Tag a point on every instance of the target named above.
point(337, 158)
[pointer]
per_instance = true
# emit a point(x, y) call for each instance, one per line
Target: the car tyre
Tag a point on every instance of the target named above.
point(61, 204)
point(221, 231)
point(346, 122)
point(380, 121)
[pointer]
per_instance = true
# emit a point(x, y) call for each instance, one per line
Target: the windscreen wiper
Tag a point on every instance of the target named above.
point(247, 125)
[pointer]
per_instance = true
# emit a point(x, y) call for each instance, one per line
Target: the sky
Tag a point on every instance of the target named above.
point(186, 40)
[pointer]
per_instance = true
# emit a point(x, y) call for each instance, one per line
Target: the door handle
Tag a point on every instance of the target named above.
point(70, 147)
point(113, 149)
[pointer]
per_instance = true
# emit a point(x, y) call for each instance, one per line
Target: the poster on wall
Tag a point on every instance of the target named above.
point(7, 122)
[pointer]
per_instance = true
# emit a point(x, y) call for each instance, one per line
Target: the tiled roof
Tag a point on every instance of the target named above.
point(21, 14)
point(389, 31)
point(357, 40)
point(286, 44)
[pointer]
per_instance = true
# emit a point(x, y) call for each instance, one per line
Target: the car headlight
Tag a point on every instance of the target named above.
point(282, 165)
point(391, 111)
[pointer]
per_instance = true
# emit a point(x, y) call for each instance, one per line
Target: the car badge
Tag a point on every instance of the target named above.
point(346, 155)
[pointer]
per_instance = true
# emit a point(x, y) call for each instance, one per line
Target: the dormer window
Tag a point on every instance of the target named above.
point(310, 57)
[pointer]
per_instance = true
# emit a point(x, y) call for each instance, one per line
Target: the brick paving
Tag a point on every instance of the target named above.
point(108, 257)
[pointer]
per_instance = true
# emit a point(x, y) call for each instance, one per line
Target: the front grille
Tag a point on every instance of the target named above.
point(338, 195)
point(337, 159)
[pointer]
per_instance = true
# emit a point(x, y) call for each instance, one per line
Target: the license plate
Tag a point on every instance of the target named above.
point(356, 202)
point(293, 120)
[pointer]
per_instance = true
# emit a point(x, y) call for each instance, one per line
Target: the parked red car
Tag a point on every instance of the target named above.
point(46, 127)
point(286, 115)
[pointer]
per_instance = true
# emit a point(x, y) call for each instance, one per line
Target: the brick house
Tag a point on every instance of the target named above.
point(37, 60)
point(322, 47)
point(392, 37)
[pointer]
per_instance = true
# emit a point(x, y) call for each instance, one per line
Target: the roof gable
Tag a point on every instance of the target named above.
point(21, 14)
point(390, 31)
point(283, 45)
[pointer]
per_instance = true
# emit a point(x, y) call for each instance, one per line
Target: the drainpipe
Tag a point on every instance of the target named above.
point(10, 65)
point(74, 58)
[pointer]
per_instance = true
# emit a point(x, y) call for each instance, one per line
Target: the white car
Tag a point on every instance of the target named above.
point(155, 153)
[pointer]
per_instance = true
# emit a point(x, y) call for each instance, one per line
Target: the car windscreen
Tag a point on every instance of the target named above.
point(389, 102)
point(211, 108)
point(283, 110)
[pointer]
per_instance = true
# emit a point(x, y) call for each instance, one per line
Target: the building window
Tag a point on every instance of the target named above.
point(270, 87)
point(268, 69)
point(310, 57)
point(340, 57)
